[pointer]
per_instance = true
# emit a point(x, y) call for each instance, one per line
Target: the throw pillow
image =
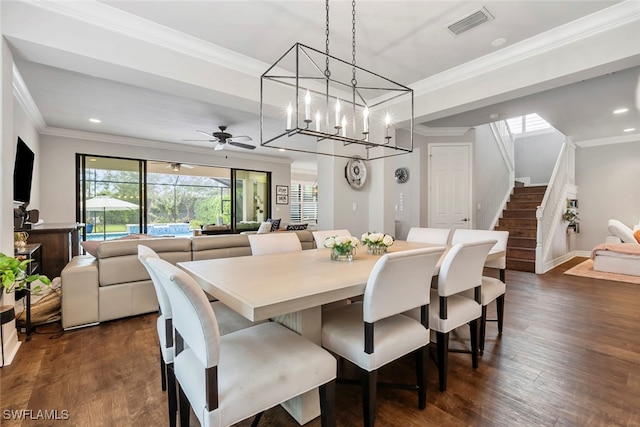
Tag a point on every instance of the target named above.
point(292, 227)
point(636, 234)
point(621, 231)
point(275, 223)
point(265, 227)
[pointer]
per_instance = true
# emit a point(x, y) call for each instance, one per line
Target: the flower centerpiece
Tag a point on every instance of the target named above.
point(377, 243)
point(343, 248)
point(13, 273)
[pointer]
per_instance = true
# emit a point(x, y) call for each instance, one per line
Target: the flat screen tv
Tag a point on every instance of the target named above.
point(23, 173)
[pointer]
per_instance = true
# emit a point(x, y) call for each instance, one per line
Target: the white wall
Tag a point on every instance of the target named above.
point(536, 155)
point(608, 180)
point(23, 128)
point(58, 197)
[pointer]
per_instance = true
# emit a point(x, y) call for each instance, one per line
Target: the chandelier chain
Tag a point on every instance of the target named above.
point(327, 73)
point(354, 82)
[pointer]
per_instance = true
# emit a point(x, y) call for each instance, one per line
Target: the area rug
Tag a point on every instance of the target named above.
point(585, 269)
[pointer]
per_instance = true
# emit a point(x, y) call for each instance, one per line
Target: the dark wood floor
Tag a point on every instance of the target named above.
point(569, 356)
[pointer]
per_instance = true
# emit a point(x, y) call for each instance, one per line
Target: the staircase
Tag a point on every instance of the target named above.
point(519, 219)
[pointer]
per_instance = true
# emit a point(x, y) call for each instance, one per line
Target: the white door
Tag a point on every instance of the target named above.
point(450, 185)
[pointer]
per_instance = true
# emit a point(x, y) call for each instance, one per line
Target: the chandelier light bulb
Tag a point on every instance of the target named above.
point(318, 121)
point(289, 114)
point(387, 121)
point(307, 106)
point(337, 113)
point(365, 120)
point(344, 125)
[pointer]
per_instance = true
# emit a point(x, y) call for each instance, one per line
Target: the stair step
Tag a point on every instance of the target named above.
point(523, 205)
point(519, 232)
point(527, 197)
point(521, 253)
point(521, 242)
point(521, 265)
point(519, 213)
point(530, 189)
point(518, 222)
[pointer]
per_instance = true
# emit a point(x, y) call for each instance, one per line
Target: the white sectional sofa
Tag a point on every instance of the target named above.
point(114, 284)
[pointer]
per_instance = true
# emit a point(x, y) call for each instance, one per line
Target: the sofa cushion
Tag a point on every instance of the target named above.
point(265, 227)
point(118, 259)
point(292, 227)
point(621, 231)
point(220, 246)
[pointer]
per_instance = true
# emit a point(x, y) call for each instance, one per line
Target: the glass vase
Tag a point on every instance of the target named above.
point(376, 249)
point(342, 254)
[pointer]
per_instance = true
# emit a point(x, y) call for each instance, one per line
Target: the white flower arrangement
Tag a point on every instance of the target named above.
point(341, 244)
point(377, 239)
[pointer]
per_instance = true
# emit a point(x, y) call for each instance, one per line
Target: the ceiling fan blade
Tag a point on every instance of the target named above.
point(240, 138)
point(241, 145)
point(199, 140)
point(204, 133)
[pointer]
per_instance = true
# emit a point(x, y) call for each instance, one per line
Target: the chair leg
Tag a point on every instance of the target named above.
point(442, 340)
point(172, 397)
point(473, 334)
point(185, 407)
point(500, 309)
point(421, 377)
point(163, 371)
point(327, 404)
point(483, 327)
point(369, 382)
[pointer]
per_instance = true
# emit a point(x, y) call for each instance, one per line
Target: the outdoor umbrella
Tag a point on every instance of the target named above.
point(106, 203)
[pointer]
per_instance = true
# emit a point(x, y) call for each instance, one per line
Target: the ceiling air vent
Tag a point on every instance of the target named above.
point(471, 21)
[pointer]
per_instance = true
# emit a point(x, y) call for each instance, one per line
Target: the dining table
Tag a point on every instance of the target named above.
point(292, 288)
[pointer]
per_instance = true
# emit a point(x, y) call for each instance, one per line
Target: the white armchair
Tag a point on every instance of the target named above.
point(620, 233)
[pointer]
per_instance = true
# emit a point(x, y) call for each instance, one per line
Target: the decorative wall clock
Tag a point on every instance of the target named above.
point(402, 175)
point(355, 173)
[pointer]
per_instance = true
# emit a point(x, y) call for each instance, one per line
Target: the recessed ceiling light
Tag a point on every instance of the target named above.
point(620, 110)
point(629, 129)
point(281, 149)
point(95, 120)
point(498, 42)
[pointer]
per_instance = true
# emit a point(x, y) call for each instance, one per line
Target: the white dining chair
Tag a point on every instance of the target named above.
point(493, 289)
point(438, 236)
point(373, 333)
point(320, 236)
point(272, 243)
point(460, 271)
point(229, 321)
point(229, 378)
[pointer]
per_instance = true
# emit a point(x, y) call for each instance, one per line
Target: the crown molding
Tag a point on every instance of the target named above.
point(101, 15)
point(604, 20)
point(634, 137)
point(444, 131)
point(25, 100)
point(151, 144)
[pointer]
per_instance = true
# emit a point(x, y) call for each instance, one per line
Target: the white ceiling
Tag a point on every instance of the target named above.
point(160, 70)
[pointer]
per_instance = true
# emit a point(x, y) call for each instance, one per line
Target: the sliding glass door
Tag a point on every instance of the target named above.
point(111, 198)
point(118, 197)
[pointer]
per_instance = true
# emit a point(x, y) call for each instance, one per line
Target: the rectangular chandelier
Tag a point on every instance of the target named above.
point(323, 105)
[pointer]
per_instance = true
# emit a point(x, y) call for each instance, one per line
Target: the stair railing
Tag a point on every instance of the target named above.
point(549, 212)
point(501, 186)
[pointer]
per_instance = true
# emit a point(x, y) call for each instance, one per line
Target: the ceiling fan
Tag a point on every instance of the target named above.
point(224, 137)
point(176, 166)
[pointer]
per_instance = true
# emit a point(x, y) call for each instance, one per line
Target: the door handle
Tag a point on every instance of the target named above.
point(465, 219)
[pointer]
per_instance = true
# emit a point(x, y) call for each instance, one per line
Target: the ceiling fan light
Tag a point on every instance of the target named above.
point(218, 147)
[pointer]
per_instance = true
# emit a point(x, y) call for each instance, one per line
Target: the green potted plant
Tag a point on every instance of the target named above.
point(13, 273)
point(571, 217)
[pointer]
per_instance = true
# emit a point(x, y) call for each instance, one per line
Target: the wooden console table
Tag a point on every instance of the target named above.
point(60, 243)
